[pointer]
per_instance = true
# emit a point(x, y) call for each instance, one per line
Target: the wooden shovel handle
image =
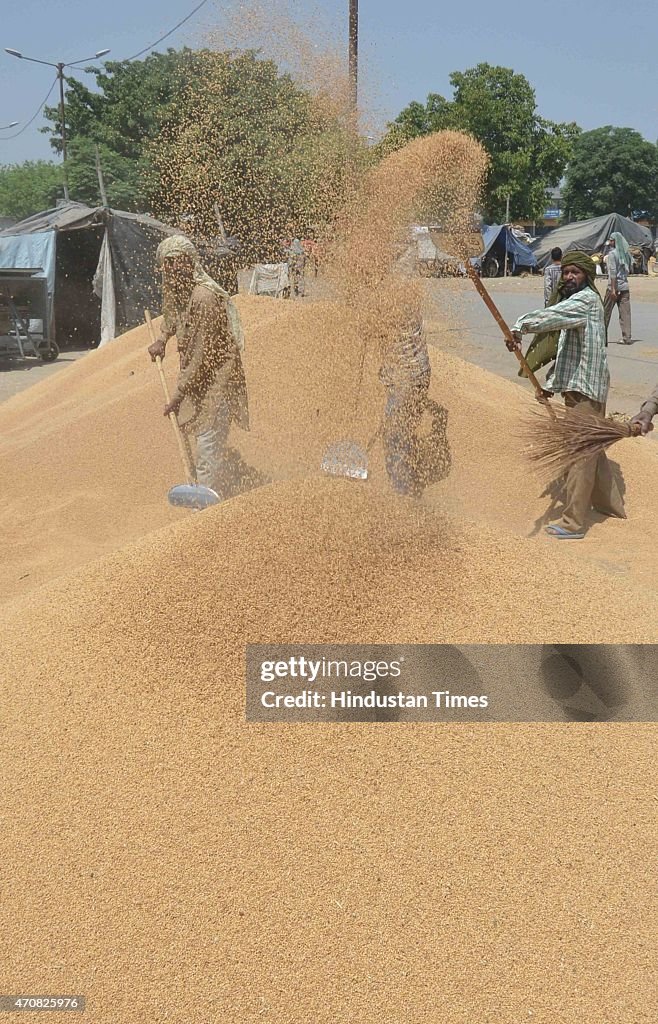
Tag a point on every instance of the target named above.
point(495, 312)
point(189, 468)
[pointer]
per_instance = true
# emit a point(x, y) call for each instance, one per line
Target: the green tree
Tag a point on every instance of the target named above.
point(612, 170)
point(182, 131)
point(123, 186)
point(247, 137)
point(129, 107)
point(29, 187)
point(498, 107)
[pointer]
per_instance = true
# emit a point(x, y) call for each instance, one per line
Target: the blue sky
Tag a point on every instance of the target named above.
point(565, 49)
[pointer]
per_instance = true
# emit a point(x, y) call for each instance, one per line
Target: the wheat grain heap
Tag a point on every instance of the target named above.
point(172, 862)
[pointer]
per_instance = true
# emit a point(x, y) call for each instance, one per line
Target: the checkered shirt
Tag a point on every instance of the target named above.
point(581, 364)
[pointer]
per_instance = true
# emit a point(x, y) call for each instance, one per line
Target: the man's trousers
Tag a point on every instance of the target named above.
point(212, 467)
point(590, 482)
point(623, 304)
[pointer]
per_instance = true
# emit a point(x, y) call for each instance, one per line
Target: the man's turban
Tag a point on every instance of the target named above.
point(582, 261)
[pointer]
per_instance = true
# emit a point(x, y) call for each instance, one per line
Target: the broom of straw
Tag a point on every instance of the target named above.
point(557, 444)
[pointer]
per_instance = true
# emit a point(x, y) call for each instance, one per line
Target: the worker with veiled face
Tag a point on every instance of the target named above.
point(582, 377)
point(405, 373)
point(211, 391)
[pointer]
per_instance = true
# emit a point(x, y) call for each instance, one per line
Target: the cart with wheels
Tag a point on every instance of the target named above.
point(25, 329)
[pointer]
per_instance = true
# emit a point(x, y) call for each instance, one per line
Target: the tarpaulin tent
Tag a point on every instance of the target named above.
point(590, 236)
point(99, 264)
point(499, 239)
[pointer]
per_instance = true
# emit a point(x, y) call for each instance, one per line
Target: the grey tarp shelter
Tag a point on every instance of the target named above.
point(590, 236)
point(99, 264)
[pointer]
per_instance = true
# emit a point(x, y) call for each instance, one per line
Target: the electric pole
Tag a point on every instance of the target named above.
point(354, 54)
point(59, 67)
point(62, 117)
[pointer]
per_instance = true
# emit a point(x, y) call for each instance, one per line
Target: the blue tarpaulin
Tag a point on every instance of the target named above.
point(37, 250)
point(499, 237)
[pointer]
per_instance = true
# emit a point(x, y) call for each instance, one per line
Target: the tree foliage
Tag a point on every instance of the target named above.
point(498, 107)
point(182, 131)
point(248, 138)
point(612, 170)
point(129, 107)
point(29, 187)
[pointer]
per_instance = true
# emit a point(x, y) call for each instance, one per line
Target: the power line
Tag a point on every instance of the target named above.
point(34, 116)
point(167, 34)
point(127, 60)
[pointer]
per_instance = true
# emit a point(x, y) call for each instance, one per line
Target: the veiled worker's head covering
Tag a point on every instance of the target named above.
point(622, 250)
point(180, 245)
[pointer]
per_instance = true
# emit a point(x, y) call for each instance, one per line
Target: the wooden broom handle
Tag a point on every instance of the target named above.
point(189, 469)
point(495, 312)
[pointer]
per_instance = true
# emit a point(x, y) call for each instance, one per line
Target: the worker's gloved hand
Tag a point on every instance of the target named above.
point(173, 406)
point(642, 423)
point(515, 344)
point(157, 349)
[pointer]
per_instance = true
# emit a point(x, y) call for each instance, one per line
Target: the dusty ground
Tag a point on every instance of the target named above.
point(16, 374)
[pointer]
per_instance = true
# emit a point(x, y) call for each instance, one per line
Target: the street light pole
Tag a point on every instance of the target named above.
point(354, 54)
point(59, 67)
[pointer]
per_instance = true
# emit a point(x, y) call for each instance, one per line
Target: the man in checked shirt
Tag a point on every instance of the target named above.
point(581, 376)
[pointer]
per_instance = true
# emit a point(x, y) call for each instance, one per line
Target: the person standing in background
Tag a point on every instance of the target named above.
point(552, 274)
point(296, 268)
point(618, 293)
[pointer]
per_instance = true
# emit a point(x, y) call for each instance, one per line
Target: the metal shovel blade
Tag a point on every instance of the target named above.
point(346, 458)
point(192, 496)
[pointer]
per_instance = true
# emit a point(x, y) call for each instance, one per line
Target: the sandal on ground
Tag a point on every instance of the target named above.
point(562, 534)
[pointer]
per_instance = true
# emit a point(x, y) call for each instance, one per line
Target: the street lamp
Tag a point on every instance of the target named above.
point(59, 66)
point(12, 124)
